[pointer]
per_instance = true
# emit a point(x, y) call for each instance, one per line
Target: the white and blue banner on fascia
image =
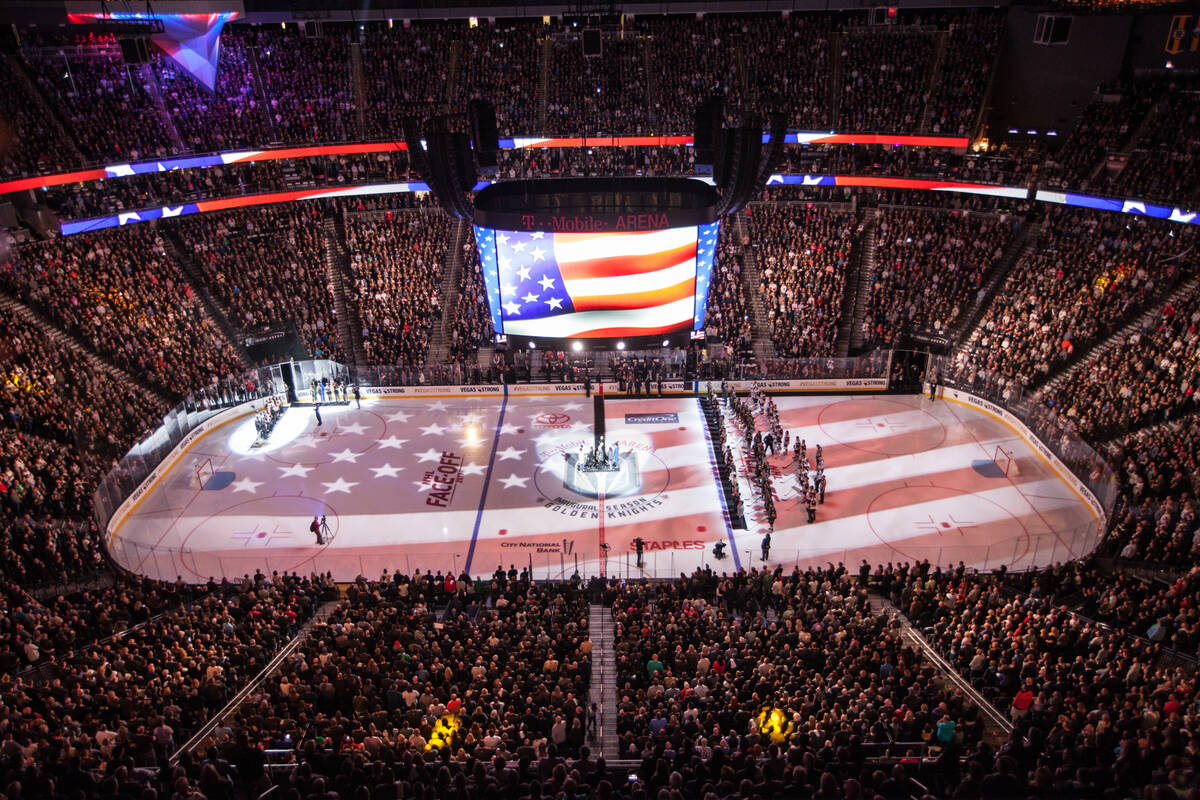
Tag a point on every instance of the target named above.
point(1126, 206)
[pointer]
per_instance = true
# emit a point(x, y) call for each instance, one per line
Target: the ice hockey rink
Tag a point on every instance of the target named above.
point(471, 483)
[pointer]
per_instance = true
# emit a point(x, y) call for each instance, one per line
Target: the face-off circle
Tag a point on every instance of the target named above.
point(881, 426)
point(272, 526)
point(643, 477)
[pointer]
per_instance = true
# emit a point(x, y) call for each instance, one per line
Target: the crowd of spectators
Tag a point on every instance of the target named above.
point(308, 82)
point(1148, 376)
point(470, 322)
point(602, 95)
point(1165, 162)
point(231, 116)
point(1084, 276)
point(30, 143)
point(803, 254)
point(972, 43)
point(45, 506)
point(266, 265)
point(929, 269)
point(55, 393)
point(1155, 519)
point(885, 79)
point(404, 75)
point(501, 63)
point(597, 161)
point(691, 59)
point(111, 711)
point(699, 658)
point(787, 65)
point(511, 658)
point(106, 105)
point(1096, 711)
point(1103, 128)
point(1156, 609)
point(123, 296)
point(396, 262)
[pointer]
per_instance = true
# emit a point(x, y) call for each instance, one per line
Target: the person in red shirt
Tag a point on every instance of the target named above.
point(1023, 700)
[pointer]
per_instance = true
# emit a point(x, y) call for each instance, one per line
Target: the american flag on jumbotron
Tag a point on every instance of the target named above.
point(566, 285)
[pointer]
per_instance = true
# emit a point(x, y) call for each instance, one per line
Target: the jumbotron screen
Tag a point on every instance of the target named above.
point(551, 285)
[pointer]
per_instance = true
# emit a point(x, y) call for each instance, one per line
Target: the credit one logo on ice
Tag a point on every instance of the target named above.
point(652, 419)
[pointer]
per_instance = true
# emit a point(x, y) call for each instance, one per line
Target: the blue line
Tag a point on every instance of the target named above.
point(487, 480)
point(716, 471)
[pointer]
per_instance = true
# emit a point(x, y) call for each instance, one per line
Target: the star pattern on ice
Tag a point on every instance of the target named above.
point(472, 469)
point(508, 428)
point(429, 455)
point(433, 429)
point(356, 428)
point(513, 480)
point(422, 486)
point(392, 442)
point(295, 471)
point(509, 453)
point(438, 406)
point(386, 471)
point(346, 455)
point(340, 485)
point(399, 416)
point(246, 485)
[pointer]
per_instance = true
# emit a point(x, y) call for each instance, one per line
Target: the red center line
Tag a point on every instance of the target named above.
point(603, 559)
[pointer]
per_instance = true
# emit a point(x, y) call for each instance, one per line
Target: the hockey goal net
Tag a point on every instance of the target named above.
point(202, 472)
point(1005, 461)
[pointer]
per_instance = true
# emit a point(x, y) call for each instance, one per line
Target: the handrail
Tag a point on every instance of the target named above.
point(207, 728)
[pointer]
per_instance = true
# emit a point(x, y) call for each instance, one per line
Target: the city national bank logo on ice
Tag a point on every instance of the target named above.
point(443, 480)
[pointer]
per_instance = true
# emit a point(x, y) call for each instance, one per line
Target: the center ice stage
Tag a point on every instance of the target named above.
point(470, 483)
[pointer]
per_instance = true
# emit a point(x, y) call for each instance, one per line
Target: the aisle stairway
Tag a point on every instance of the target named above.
point(841, 347)
point(15, 308)
point(337, 266)
point(452, 60)
point(863, 276)
point(360, 89)
point(760, 323)
point(178, 252)
point(439, 342)
point(44, 110)
point(149, 81)
point(646, 49)
point(935, 72)
point(1018, 249)
point(603, 691)
point(835, 78)
point(544, 64)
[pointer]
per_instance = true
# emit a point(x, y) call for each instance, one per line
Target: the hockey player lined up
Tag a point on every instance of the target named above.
point(819, 484)
point(820, 459)
point(810, 503)
point(801, 451)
